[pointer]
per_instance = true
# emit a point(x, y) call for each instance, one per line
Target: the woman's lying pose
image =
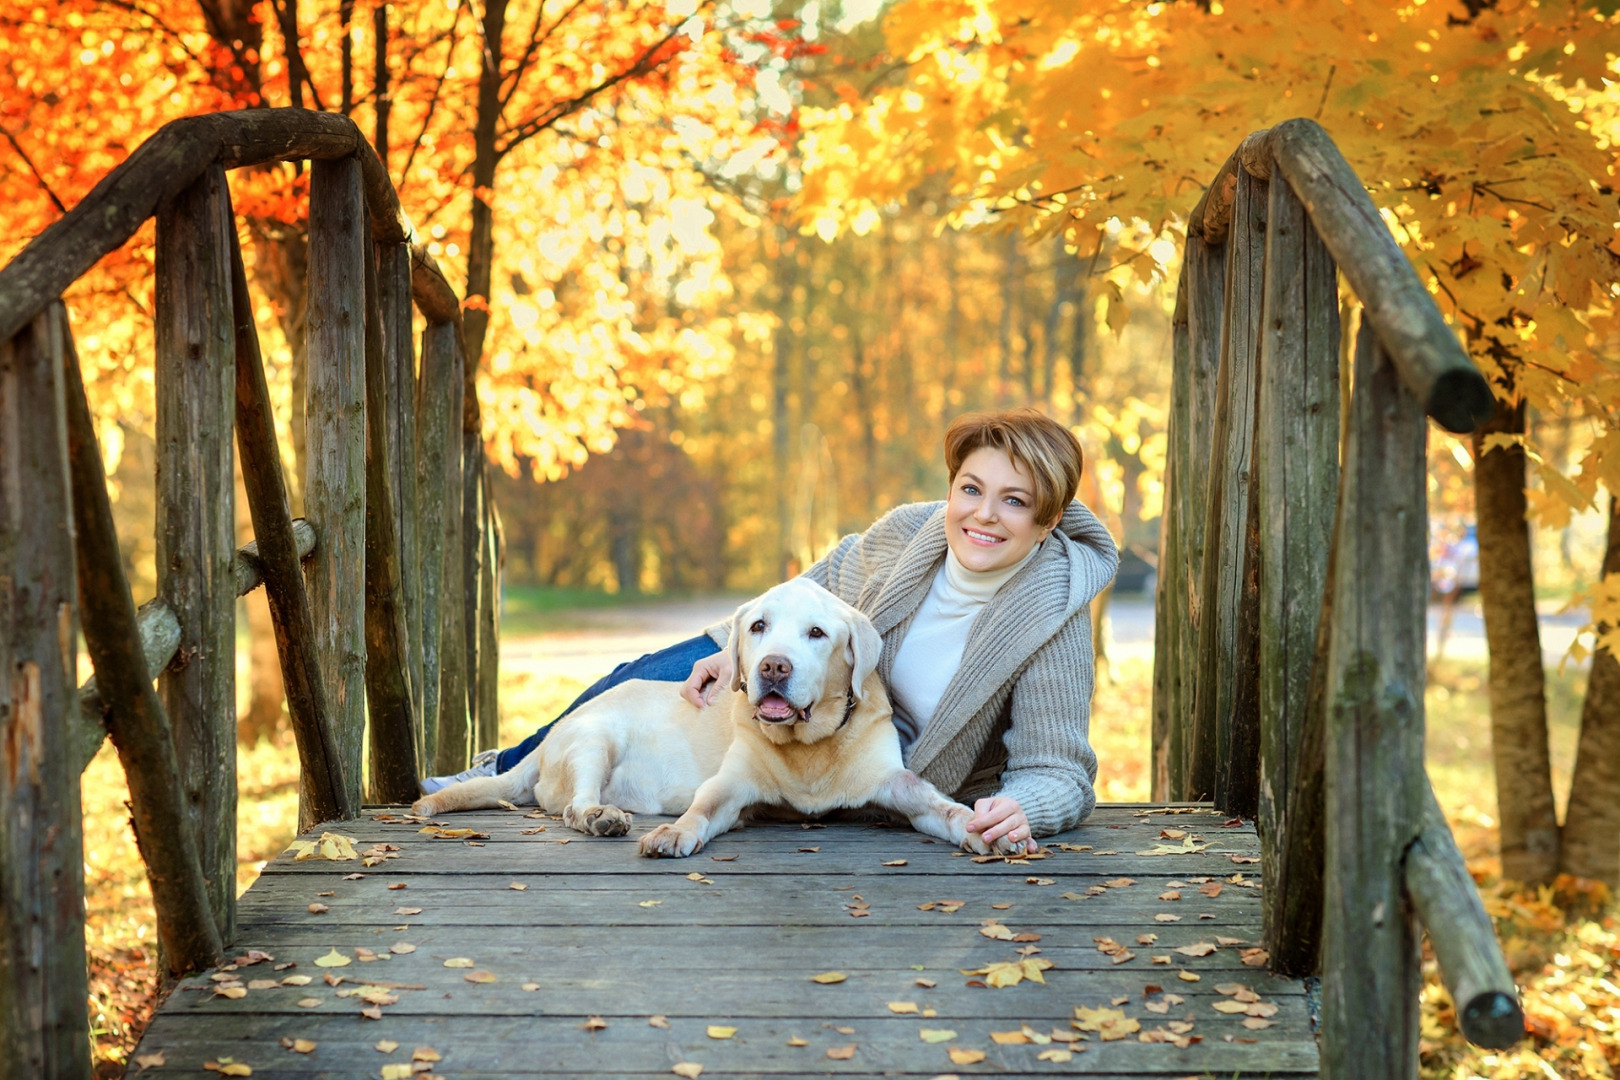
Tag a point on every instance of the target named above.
point(982, 602)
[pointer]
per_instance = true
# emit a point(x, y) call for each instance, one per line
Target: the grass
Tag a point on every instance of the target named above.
point(539, 609)
point(1562, 941)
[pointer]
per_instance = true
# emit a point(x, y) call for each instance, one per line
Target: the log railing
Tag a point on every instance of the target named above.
point(378, 625)
point(1289, 667)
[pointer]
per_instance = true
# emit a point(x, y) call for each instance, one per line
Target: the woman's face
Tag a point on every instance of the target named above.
point(990, 516)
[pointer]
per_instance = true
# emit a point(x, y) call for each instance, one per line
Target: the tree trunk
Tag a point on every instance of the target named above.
point(1591, 846)
point(1524, 794)
point(481, 244)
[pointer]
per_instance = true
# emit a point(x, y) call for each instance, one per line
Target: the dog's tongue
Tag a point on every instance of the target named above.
point(775, 706)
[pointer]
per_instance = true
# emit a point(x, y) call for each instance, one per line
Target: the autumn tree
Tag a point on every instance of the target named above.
point(1484, 130)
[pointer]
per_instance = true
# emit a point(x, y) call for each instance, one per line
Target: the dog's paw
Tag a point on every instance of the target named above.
point(1004, 846)
point(975, 843)
point(426, 806)
point(597, 820)
point(669, 841)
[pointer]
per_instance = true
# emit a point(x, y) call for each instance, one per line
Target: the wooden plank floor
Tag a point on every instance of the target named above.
point(569, 927)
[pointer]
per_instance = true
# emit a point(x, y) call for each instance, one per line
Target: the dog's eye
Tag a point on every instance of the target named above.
point(758, 627)
point(816, 631)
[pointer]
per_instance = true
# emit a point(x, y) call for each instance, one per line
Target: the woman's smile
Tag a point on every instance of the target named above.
point(990, 516)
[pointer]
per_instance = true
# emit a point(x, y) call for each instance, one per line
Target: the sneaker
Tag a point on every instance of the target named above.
point(483, 764)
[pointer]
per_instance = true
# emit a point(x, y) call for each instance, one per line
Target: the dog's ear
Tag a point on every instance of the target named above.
point(734, 646)
point(865, 647)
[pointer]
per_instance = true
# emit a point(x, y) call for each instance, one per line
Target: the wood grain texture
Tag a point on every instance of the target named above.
point(1223, 661)
point(1297, 465)
point(135, 717)
point(488, 682)
point(473, 557)
point(444, 656)
point(737, 949)
point(194, 371)
point(1464, 939)
point(335, 446)
point(279, 548)
point(392, 728)
point(1169, 597)
point(1374, 746)
point(43, 1017)
point(159, 634)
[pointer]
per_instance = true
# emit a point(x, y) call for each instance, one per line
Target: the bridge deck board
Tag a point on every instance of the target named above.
point(600, 932)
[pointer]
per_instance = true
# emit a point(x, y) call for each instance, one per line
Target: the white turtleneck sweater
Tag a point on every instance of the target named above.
point(931, 651)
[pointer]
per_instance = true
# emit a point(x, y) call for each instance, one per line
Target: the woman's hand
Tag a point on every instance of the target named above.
point(709, 676)
point(1000, 816)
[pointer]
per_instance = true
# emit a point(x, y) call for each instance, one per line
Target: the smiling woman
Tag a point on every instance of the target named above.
point(982, 602)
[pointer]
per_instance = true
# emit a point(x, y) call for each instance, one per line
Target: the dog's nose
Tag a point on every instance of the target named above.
point(775, 668)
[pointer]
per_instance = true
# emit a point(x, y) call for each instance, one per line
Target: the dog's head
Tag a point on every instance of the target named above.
point(802, 655)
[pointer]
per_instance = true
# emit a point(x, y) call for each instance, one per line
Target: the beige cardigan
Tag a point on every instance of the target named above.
point(1014, 718)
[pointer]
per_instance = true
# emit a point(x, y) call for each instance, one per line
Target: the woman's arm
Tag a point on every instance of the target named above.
point(1050, 766)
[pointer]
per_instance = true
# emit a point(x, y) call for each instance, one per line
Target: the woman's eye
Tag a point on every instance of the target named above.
point(817, 632)
point(758, 627)
point(1015, 500)
point(969, 489)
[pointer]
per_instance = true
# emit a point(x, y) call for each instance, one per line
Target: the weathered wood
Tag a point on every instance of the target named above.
point(279, 548)
point(1237, 781)
point(135, 717)
point(1226, 509)
point(43, 1018)
point(1471, 962)
point(1375, 779)
point(1169, 588)
point(1297, 459)
point(756, 934)
point(394, 287)
point(438, 464)
point(247, 566)
point(335, 441)
point(1426, 352)
point(1206, 305)
point(473, 557)
point(194, 377)
point(488, 681)
point(388, 688)
point(159, 633)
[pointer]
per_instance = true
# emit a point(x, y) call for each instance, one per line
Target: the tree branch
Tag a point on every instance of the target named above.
point(12, 139)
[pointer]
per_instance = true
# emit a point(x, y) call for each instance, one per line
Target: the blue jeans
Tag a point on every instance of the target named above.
point(672, 664)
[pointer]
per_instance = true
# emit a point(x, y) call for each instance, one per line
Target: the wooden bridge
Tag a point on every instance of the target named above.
point(1288, 694)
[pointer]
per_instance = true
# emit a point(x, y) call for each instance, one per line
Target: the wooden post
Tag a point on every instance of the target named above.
point(1223, 661)
point(1471, 962)
point(394, 285)
point(194, 373)
point(278, 550)
point(472, 554)
point(388, 686)
point(335, 441)
point(439, 493)
point(1432, 362)
point(1297, 465)
point(1374, 777)
point(1170, 591)
point(489, 623)
point(140, 728)
point(44, 1024)
point(1206, 304)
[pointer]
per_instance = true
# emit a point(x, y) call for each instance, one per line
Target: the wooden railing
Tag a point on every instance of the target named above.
point(382, 596)
point(1293, 586)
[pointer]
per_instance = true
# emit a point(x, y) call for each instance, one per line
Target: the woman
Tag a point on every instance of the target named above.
point(983, 605)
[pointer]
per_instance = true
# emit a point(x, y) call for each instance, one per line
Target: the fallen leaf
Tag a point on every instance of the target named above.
point(425, 1053)
point(1120, 882)
point(372, 1012)
point(1110, 1024)
point(895, 862)
point(504, 805)
point(1256, 1024)
point(695, 876)
point(1200, 948)
point(594, 1023)
point(1165, 959)
point(332, 959)
point(1160, 1007)
point(264, 984)
point(459, 962)
point(810, 850)
point(927, 984)
point(407, 911)
point(309, 1003)
point(529, 987)
point(716, 1031)
point(149, 1061)
point(402, 948)
point(841, 1053)
point(1058, 1056)
point(517, 886)
point(1227, 1005)
point(398, 885)
point(1188, 976)
point(1227, 941)
point(1171, 895)
point(996, 932)
point(648, 903)
point(1162, 917)
point(1009, 1038)
point(659, 1021)
point(332, 846)
point(844, 1030)
point(479, 976)
point(903, 1007)
point(722, 858)
point(531, 832)
point(386, 1046)
point(1262, 1008)
point(828, 977)
point(936, 1035)
point(1038, 881)
point(232, 992)
point(962, 1056)
point(1255, 957)
point(397, 1071)
point(1146, 939)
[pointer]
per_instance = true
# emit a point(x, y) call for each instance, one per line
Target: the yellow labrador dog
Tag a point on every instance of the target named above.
point(806, 726)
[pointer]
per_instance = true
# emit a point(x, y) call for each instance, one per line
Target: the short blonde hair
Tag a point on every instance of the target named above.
point(1041, 446)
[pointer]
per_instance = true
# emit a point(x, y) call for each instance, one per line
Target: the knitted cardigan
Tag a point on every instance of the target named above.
point(1014, 718)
